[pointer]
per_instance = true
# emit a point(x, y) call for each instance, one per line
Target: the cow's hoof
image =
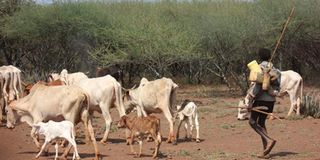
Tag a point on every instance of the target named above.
point(103, 142)
point(150, 139)
point(198, 140)
point(174, 142)
point(137, 155)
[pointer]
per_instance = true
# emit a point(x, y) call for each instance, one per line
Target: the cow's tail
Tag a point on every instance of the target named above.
point(87, 100)
point(173, 95)
point(299, 100)
point(72, 131)
point(119, 102)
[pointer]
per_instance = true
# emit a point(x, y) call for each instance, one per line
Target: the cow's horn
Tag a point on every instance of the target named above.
point(134, 86)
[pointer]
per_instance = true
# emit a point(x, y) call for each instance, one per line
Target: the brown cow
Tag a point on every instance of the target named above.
point(141, 126)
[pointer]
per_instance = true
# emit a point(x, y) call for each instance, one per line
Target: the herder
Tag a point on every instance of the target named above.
point(262, 97)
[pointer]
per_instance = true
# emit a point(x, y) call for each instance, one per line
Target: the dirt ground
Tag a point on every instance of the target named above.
point(222, 135)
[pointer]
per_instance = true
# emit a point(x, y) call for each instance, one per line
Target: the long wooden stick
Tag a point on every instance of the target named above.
point(270, 114)
point(282, 33)
point(257, 110)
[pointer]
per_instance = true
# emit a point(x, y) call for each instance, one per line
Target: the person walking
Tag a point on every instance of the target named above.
point(263, 100)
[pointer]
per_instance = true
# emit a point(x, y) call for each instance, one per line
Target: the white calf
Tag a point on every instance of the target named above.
point(188, 112)
point(52, 130)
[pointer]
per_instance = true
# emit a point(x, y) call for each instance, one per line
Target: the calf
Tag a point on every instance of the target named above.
point(52, 130)
point(140, 127)
point(187, 113)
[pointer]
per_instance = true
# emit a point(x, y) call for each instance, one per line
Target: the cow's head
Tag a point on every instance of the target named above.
point(39, 128)
point(122, 122)
point(130, 101)
point(242, 112)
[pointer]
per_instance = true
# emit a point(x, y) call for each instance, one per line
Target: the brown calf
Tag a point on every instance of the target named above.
point(140, 127)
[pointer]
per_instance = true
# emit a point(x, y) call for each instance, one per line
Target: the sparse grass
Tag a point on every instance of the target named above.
point(227, 126)
point(202, 92)
point(280, 110)
point(112, 129)
point(207, 109)
point(184, 153)
point(294, 117)
point(220, 155)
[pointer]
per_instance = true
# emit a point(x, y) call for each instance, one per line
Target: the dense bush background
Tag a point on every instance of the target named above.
point(190, 41)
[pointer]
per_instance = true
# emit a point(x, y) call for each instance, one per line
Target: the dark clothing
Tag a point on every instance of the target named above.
point(258, 120)
point(270, 105)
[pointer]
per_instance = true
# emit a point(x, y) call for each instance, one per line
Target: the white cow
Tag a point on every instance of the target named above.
point(292, 84)
point(105, 92)
point(10, 84)
point(52, 130)
point(153, 97)
point(72, 78)
point(188, 113)
point(45, 103)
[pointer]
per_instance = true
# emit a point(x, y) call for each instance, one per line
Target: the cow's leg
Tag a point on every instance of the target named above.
point(178, 129)
point(43, 146)
point(56, 146)
point(191, 127)
point(74, 145)
point(4, 91)
point(140, 147)
point(186, 130)
point(91, 132)
point(19, 82)
point(108, 120)
point(35, 137)
point(15, 84)
point(293, 102)
point(130, 142)
point(298, 104)
point(167, 114)
point(12, 91)
point(84, 118)
point(196, 121)
point(157, 141)
point(127, 136)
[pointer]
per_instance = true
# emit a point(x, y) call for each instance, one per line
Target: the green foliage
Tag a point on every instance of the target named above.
point(198, 40)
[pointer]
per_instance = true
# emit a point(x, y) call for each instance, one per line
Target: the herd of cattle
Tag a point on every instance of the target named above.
point(74, 97)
